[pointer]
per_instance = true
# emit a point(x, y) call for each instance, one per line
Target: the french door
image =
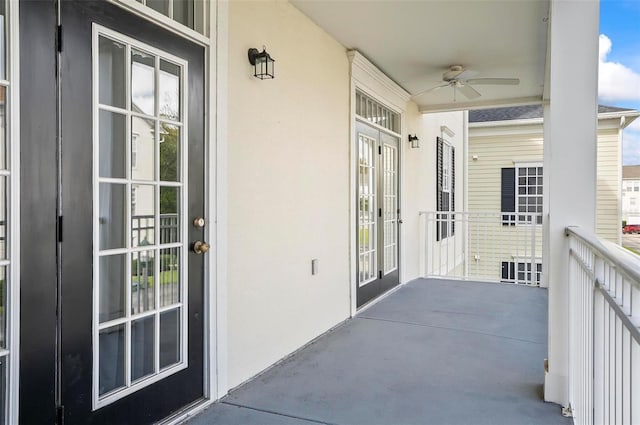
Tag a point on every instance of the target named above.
point(377, 212)
point(129, 337)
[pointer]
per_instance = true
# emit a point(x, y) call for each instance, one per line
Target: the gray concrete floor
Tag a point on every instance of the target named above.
point(434, 352)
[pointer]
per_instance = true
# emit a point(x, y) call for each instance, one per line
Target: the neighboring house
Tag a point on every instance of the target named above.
point(631, 194)
point(506, 174)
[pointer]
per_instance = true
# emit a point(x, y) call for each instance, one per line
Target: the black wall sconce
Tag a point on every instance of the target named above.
point(415, 142)
point(262, 63)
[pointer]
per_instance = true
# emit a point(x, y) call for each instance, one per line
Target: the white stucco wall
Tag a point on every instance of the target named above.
point(419, 185)
point(288, 164)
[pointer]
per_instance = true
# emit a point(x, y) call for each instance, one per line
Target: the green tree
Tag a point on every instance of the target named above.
point(169, 159)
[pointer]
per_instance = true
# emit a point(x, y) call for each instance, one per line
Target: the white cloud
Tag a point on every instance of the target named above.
point(617, 82)
point(635, 125)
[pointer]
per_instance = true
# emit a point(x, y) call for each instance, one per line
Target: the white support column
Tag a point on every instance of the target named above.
point(570, 124)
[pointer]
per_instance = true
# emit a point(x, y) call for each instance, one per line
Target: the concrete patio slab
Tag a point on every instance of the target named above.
point(434, 352)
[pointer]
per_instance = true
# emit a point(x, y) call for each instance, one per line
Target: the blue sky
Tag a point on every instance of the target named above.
point(619, 79)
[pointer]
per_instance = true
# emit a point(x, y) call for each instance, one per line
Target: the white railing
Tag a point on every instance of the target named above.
point(487, 246)
point(604, 331)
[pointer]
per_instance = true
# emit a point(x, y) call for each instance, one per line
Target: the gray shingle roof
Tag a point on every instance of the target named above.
point(523, 113)
point(631, 172)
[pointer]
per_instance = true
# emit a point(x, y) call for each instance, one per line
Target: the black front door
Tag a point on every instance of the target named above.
point(378, 212)
point(130, 182)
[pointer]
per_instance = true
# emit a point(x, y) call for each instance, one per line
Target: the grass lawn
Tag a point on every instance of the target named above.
point(166, 277)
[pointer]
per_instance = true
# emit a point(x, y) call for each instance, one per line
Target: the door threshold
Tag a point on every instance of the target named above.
point(377, 299)
point(188, 412)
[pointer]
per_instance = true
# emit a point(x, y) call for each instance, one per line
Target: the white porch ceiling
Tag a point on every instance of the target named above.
point(414, 42)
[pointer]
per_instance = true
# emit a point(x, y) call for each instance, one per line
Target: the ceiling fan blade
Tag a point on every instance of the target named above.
point(468, 91)
point(430, 90)
point(466, 74)
point(495, 81)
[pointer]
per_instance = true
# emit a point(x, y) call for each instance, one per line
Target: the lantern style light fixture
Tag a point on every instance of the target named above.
point(262, 63)
point(415, 142)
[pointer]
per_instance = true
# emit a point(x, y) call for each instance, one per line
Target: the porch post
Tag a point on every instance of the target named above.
point(570, 127)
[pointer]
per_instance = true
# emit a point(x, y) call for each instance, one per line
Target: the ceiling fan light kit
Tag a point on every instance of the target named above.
point(461, 79)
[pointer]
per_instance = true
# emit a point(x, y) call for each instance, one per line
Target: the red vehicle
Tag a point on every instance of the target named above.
point(631, 228)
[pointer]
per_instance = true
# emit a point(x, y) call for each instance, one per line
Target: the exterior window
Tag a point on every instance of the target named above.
point(446, 184)
point(134, 150)
point(529, 193)
point(521, 193)
point(446, 168)
point(376, 113)
point(522, 272)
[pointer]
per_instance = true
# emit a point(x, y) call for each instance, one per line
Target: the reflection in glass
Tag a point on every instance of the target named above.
point(3, 309)
point(142, 347)
point(111, 59)
point(143, 210)
point(112, 287)
point(4, 367)
point(161, 6)
point(169, 338)
point(142, 149)
point(183, 12)
point(112, 144)
point(142, 82)
point(3, 128)
point(112, 215)
point(169, 152)
point(111, 359)
point(142, 281)
point(3, 217)
point(169, 276)
point(169, 214)
point(169, 90)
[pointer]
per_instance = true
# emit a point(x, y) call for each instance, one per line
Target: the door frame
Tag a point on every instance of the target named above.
point(368, 79)
point(215, 324)
point(12, 137)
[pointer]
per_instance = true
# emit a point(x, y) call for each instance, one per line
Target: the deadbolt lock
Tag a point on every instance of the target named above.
point(198, 222)
point(200, 247)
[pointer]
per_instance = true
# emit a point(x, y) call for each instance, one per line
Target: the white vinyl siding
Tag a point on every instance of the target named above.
point(507, 147)
point(608, 198)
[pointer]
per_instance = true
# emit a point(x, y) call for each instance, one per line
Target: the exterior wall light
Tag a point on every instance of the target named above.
point(415, 142)
point(262, 63)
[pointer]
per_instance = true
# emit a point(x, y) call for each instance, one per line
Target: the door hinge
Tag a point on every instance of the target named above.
point(59, 231)
point(60, 415)
point(59, 38)
point(379, 274)
point(379, 150)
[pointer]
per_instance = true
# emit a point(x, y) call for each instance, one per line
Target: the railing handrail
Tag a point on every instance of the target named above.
point(624, 261)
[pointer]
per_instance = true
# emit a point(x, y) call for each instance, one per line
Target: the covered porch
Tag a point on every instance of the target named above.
point(434, 351)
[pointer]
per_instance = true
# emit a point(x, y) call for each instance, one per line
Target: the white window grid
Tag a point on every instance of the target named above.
point(367, 208)
point(529, 197)
point(390, 185)
point(446, 168)
point(130, 252)
point(376, 113)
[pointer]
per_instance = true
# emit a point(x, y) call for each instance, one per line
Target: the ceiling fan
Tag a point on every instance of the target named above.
point(460, 79)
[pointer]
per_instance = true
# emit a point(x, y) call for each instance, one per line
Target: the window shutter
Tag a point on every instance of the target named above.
point(439, 154)
point(452, 207)
point(508, 195)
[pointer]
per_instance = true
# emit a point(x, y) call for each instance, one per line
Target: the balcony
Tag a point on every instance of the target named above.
point(483, 246)
point(435, 351)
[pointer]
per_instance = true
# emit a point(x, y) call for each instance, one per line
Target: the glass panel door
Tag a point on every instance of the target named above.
point(377, 212)
point(139, 285)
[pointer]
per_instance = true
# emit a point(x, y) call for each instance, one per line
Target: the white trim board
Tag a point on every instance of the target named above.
point(375, 83)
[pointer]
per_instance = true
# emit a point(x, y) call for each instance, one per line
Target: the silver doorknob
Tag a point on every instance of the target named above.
point(200, 247)
point(198, 222)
